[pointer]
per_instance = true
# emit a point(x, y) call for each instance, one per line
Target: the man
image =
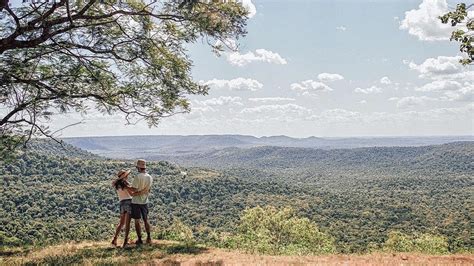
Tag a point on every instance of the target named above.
point(142, 182)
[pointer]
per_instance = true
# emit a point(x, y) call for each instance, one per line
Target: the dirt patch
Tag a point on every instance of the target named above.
point(169, 253)
point(216, 257)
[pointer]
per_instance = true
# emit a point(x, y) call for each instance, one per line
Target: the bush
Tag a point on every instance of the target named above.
point(423, 243)
point(8, 241)
point(272, 231)
point(180, 232)
point(431, 244)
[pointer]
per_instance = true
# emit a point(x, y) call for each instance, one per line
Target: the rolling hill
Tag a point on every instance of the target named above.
point(129, 147)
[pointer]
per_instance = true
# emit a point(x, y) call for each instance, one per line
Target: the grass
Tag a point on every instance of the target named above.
point(95, 253)
point(174, 253)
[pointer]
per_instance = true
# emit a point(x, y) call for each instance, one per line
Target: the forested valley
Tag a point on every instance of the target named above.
point(358, 197)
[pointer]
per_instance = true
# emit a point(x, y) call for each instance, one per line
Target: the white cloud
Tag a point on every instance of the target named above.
point(310, 87)
point(464, 94)
point(341, 28)
point(411, 101)
point(238, 84)
point(250, 7)
point(424, 22)
point(222, 100)
point(440, 66)
point(281, 112)
point(260, 55)
point(443, 68)
point(271, 99)
point(337, 116)
point(327, 77)
point(370, 90)
point(385, 80)
point(363, 102)
point(440, 85)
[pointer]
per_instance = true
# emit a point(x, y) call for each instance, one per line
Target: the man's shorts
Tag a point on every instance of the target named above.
point(139, 211)
point(126, 206)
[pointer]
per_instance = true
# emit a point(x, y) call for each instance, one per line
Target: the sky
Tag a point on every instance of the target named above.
point(325, 68)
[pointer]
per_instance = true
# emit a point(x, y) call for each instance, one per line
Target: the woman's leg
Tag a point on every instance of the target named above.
point(127, 228)
point(119, 228)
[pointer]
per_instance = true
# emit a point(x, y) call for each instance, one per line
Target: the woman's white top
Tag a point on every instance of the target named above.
point(123, 194)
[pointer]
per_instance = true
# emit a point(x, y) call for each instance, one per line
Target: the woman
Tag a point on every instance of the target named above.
point(124, 193)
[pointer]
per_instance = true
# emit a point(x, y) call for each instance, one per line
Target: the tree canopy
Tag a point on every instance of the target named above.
point(465, 36)
point(125, 57)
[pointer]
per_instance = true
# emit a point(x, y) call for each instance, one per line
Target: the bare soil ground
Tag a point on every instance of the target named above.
point(172, 253)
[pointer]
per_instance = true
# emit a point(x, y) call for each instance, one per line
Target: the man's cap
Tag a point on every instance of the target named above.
point(141, 163)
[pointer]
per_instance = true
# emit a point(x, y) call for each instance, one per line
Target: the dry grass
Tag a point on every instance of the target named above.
point(173, 253)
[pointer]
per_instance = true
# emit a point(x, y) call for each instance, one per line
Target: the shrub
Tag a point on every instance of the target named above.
point(422, 243)
point(280, 231)
point(180, 232)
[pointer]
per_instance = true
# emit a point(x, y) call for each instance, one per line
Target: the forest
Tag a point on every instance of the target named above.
point(363, 199)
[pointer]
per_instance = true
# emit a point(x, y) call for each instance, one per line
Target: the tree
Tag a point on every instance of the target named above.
point(464, 36)
point(280, 231)
point(124, 57)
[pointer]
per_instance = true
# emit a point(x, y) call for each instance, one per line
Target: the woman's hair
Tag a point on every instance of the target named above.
point(120, 183)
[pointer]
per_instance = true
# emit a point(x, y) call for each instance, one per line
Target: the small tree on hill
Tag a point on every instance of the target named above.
point(280, 231)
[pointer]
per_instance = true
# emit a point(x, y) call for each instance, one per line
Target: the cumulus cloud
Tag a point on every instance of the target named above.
point(250, 7)
point(238, 84)
point(341, 28)
point(222, 100)
point(424, 22)
point(440, 85)
point(328, 77)
point(370, 90)
point(309, 87)
point(448, 76)
point(271, 99)
point(442, 66)
point(337, 115)
point(281, 112)
point(412, 101)
point(385, 80)
point(260, 55)
point(464, 94)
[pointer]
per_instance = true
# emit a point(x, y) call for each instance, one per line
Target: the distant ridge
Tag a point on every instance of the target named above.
point(128, 147)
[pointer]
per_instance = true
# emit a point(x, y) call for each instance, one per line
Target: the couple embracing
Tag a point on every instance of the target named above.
point(133, 202)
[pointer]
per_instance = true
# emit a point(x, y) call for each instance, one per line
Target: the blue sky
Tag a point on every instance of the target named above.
point(325, 68)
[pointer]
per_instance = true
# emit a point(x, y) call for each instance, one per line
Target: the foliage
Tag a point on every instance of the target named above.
point(280, 231)
point(465, 36)
point(179, 231)
point(423, 243)
point(49, 196)
point(128, 57)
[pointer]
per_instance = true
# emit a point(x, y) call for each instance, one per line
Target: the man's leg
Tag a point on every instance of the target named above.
point(144, 213)
point(148, 231)
point(138, 229)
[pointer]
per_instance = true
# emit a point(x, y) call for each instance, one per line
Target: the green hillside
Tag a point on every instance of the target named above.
point(357, 200)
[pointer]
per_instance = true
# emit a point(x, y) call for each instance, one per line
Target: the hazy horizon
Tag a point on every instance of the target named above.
point(268, 136)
